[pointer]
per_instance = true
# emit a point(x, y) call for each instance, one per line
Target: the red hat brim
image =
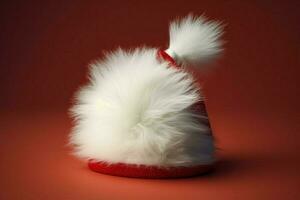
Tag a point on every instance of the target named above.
point(144, 171)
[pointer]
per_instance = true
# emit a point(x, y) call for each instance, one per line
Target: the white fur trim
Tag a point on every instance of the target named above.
point(194, 40)
point(137, 110)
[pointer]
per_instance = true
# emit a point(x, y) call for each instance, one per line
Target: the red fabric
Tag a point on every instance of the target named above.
point(198, 107)
point(165, 56)
point(143, 171)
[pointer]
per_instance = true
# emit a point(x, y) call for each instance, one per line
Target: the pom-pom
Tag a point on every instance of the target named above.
point(194, 40)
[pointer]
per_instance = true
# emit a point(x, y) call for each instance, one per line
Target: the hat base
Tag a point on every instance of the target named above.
point(145, 171)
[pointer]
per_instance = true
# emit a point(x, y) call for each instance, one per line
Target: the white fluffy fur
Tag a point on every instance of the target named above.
point(195, 40)
point(137, 109)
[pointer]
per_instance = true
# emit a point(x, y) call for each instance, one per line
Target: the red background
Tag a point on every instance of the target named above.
point(252, 97)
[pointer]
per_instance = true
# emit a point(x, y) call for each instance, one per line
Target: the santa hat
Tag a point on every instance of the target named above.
point(142, 114)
